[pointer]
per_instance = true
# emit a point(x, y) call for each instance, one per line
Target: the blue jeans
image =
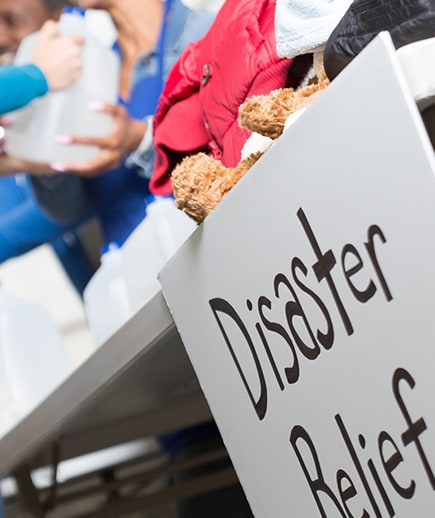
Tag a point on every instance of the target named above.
point(23, 227)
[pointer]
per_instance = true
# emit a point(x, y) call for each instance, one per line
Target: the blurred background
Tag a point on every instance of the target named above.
point(38, 276)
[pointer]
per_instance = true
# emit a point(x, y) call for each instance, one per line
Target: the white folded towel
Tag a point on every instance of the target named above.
point(303, 26)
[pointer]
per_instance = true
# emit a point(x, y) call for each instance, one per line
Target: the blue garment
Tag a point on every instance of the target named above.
point(23, 227)
point(22, 224)
point(19, 85)
point(119, 194)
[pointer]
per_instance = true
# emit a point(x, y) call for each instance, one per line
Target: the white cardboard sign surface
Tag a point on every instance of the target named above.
point(306, 302)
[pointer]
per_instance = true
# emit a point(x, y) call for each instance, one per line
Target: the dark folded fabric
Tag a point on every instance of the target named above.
point(63, 197)
point(406, 20)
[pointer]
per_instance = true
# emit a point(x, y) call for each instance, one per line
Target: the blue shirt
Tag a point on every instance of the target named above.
point(119, 193)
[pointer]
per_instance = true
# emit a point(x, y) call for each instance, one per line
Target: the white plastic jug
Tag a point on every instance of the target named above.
point(151, 244)
point(171, 224)
point(9, 414)
point(105, 297)
point(66, 112)
point(33, 357)
point(142, 258)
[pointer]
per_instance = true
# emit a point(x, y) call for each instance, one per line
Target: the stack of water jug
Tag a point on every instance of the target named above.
point(33, 358)
point(128, 275)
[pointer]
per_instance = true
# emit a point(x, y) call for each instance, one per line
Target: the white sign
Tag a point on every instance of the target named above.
point(306, 302)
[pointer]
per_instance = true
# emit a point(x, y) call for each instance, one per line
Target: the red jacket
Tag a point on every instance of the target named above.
point(198, 108)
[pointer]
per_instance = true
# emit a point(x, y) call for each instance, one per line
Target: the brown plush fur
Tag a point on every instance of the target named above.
point(200, 181)
point(267, 114)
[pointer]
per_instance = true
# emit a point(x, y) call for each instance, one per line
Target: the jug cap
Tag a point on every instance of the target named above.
point(78, 11)
point(151, 198)
point(109, 247)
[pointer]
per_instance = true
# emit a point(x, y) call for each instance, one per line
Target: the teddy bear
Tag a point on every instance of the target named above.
point(200, 181)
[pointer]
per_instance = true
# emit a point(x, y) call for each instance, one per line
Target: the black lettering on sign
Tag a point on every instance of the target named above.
point(303, 336)
point(377, 487)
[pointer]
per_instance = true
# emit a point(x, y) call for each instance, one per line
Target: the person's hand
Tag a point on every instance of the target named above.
point(8, 165)
point(125, 137)
point(11, 165)
point(58, 56)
